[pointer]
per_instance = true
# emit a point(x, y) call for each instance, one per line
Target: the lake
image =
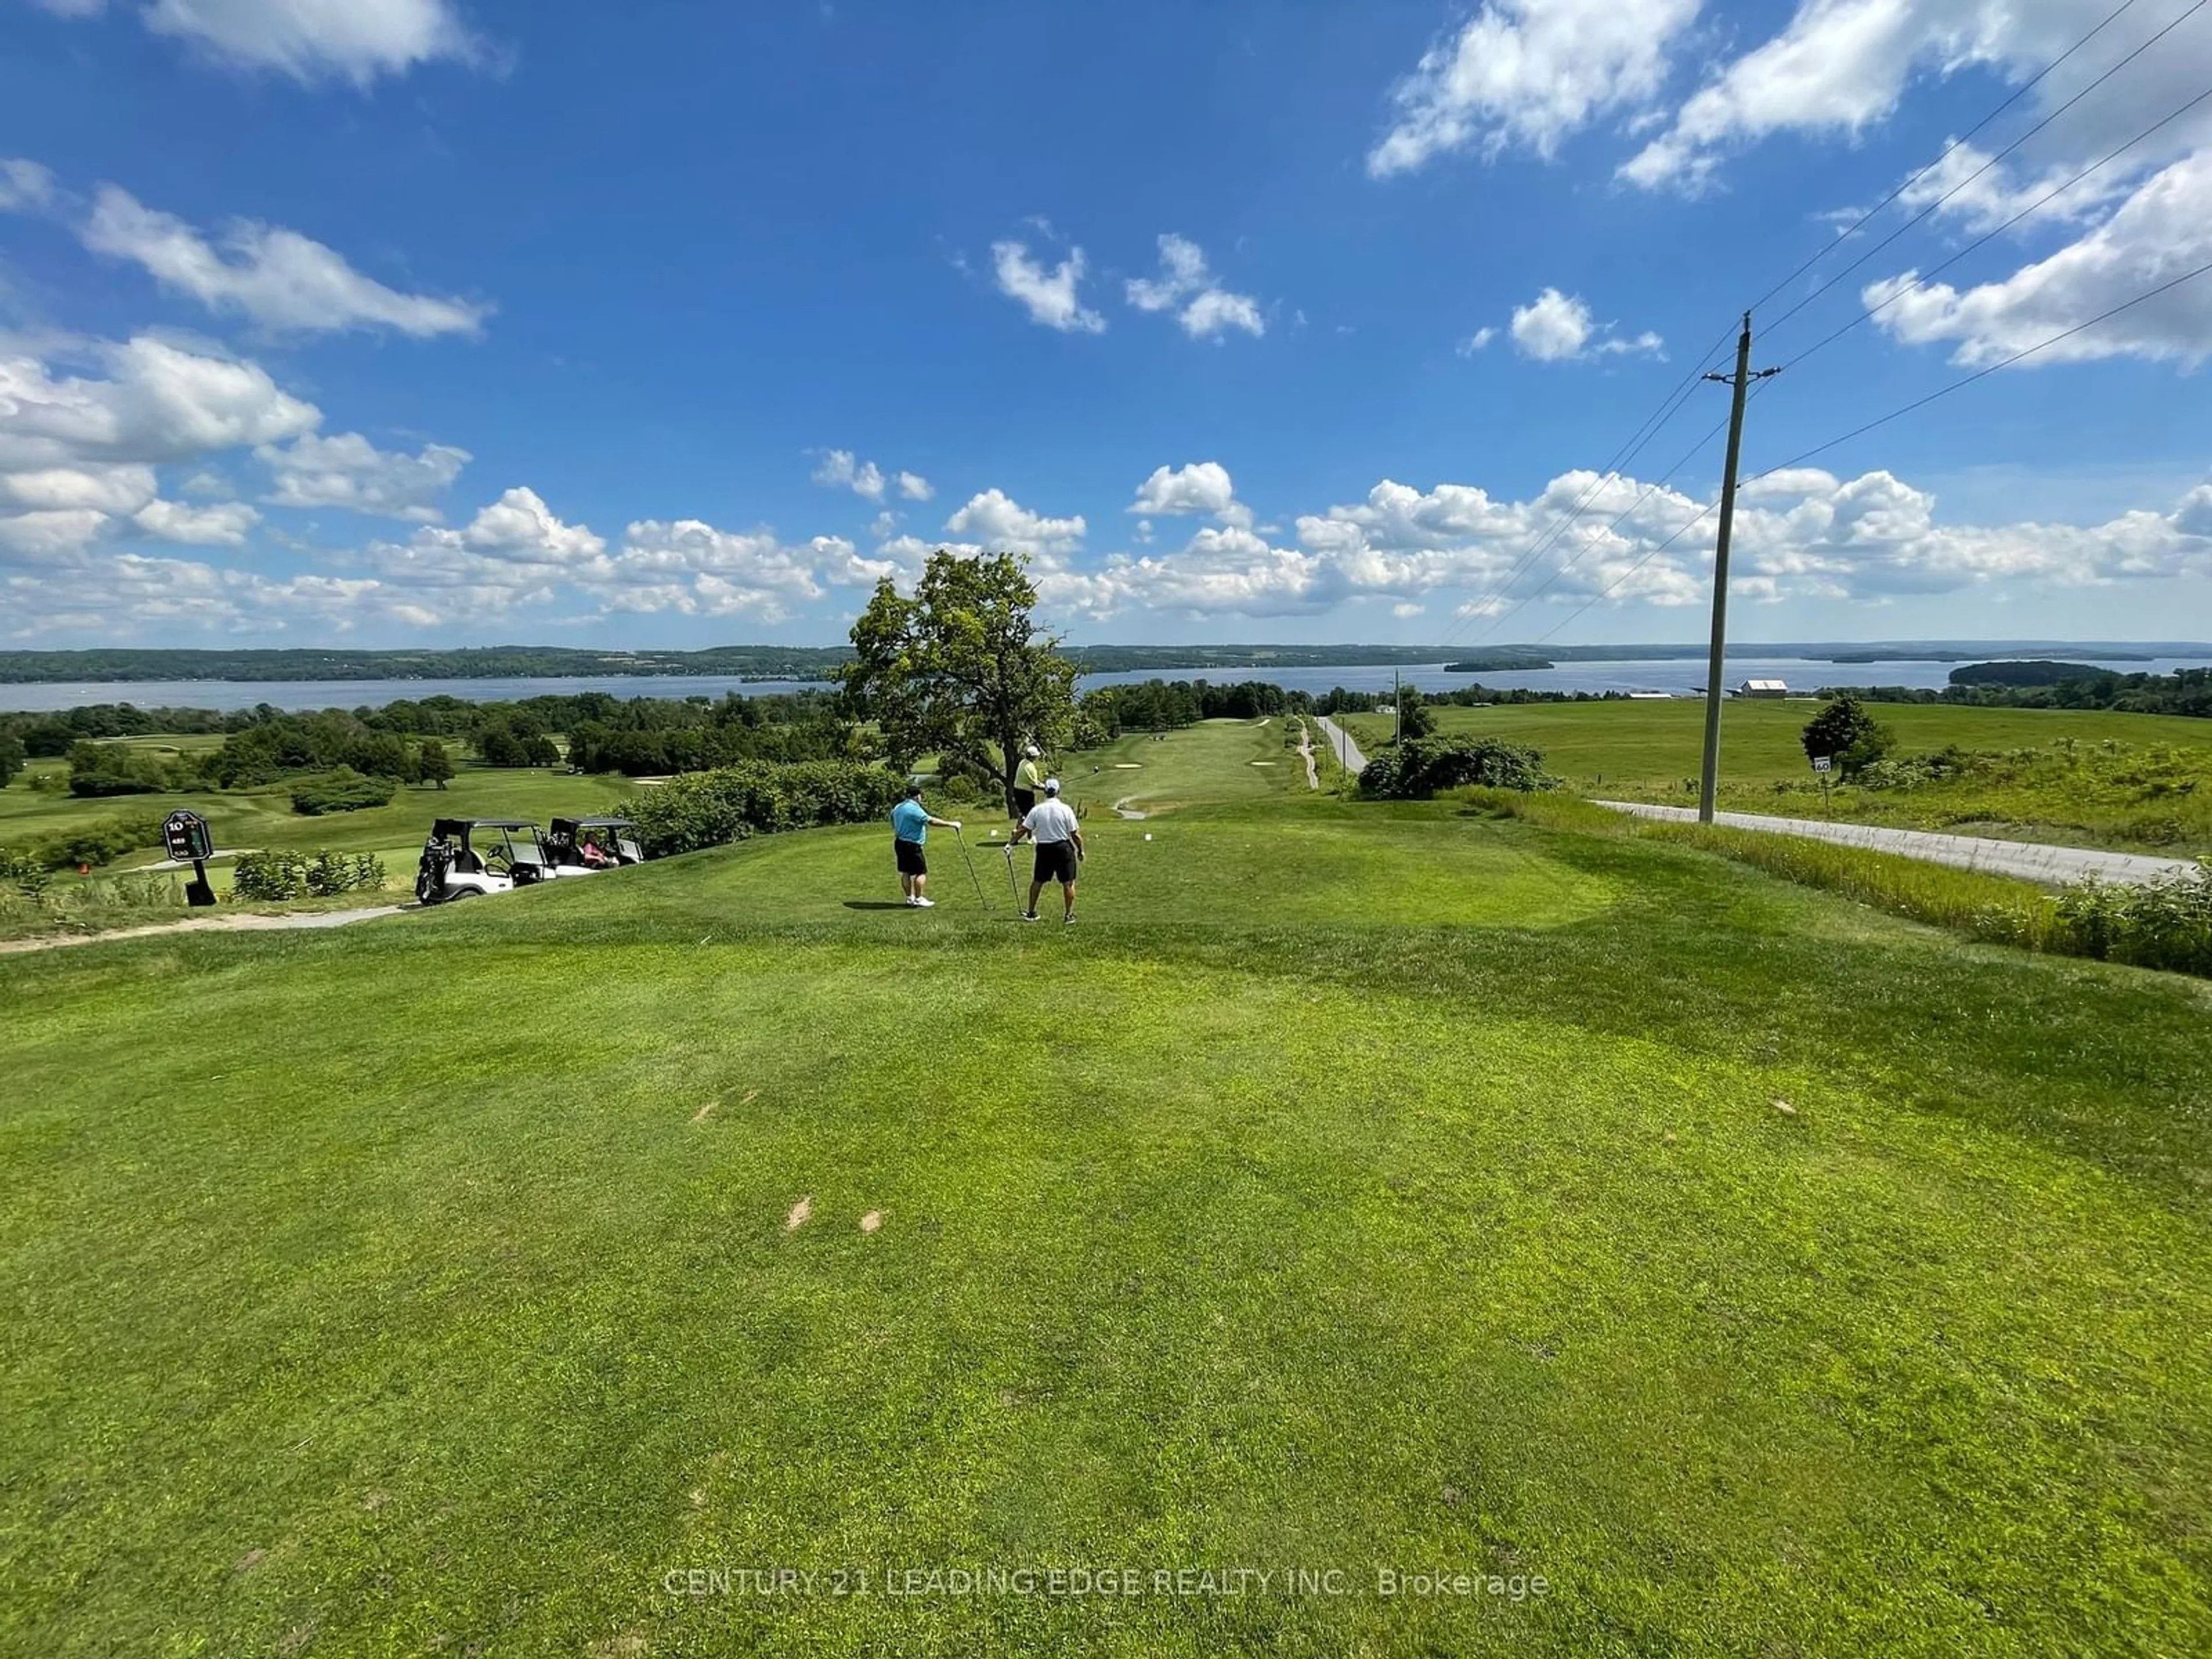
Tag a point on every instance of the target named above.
point(1680, 677)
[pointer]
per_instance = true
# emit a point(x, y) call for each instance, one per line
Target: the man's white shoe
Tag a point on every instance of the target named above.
point(925, 904)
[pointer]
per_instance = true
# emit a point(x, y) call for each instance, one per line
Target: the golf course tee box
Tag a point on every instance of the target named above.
point(1369, 1211)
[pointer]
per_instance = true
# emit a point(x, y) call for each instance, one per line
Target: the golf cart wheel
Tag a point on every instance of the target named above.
point(456, 897)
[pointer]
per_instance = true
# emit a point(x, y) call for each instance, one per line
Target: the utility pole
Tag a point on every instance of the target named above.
point(1709, 781)
point(1397, 709)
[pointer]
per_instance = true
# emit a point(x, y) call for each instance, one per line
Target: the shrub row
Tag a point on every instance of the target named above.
point(284, 875)
point(1424, 767)
point(341, 790)
point(96, 843)
point(708, 809)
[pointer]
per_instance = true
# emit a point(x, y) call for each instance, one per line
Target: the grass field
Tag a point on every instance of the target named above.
point(1213, 760)
point(1651, 751)
point(1354, 1188)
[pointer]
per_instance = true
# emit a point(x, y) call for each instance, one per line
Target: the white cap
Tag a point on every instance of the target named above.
point(1052, 786)
point(1030, 751)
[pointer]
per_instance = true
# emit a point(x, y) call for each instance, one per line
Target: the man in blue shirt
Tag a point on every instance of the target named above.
point(910, 826)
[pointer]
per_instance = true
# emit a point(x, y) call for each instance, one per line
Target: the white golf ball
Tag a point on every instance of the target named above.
point(1148, 834)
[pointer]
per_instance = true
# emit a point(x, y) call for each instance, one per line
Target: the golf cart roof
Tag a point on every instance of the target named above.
point(450, 826)
point(593, 824)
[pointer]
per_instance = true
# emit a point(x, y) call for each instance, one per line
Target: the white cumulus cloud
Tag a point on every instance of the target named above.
point(223, 524)
point(997, 523)
point(349, 471)
point(1556, 327)
point(24, 185)
point(309, 40)
point(1528, 74)
point(2163, 230)
point(278, 278)
point(1051, 296)
point(1201, 486)
point(1188, 288)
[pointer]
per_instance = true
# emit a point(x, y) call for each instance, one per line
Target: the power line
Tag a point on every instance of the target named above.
point(2199, 6)
point(1593, 540)
point(1883, 420)
point(1983, 374)
point(1680, 531)
point(2019, 93)
point(1669, 405)
point(2035, 206)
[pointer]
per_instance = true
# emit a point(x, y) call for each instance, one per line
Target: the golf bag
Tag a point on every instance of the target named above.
point(431, 871)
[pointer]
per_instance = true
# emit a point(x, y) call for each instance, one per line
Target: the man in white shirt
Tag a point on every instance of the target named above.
point(1052, 826)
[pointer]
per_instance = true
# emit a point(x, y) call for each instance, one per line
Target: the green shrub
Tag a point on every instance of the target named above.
point(99, 769)
point(1423, 767)
point(99, 843)
point(284, 875)
point(23, 872)
point(1845, 733)
point(342, 790)
point(708, 809)
point(2158, 924)
point(960, 789)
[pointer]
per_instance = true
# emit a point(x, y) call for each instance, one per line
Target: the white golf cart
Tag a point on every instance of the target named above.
point(468, 858)
point(571, 842)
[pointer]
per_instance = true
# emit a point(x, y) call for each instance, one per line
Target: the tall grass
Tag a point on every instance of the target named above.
point(2164, 924)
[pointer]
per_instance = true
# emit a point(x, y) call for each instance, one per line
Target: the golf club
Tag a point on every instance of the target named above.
point(1012, 887)
point(970, 862)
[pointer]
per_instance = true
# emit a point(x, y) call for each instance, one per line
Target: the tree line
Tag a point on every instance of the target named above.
point(412, 741)
point(2187, 692)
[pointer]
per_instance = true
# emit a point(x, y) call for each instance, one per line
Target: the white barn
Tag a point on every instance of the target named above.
point(1763, 688)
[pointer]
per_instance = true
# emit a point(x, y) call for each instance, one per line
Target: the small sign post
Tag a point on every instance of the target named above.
point(186, 836)
point(1824, 767)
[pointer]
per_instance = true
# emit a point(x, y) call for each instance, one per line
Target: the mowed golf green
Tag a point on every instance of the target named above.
point(1354, 1191)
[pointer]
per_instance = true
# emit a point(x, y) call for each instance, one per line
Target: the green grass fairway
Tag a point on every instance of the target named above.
point(1355, 1189)
point(1213, 761)
point(1648, 750)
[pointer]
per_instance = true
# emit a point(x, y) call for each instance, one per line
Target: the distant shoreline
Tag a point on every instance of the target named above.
point(761, 663)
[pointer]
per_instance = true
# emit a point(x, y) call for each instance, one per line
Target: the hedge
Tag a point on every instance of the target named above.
point(752, 798)
point(341, 790)
point(283, 875)
point(1424, 767)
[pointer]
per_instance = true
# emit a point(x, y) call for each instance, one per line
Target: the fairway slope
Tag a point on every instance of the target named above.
point(1356, 1189)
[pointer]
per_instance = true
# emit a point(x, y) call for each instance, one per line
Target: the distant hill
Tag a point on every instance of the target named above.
point(2038, 672)
point(815, 662)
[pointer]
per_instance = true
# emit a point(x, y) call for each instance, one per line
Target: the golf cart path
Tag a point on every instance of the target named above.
point(1306, 754)
point(2033, 861)
point(1342, 740)
point(208, 925)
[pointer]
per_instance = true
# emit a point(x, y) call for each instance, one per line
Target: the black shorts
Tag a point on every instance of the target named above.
point(1024, 802)
point(911, 862)
point(1055, 862)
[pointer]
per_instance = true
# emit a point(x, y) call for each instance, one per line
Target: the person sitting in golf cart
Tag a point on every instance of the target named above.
point(596, 857)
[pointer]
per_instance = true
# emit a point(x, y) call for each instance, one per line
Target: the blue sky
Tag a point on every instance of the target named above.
point(443, 321)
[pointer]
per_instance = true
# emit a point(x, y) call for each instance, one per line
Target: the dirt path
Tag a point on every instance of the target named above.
point(2034, 860)
point(244, 923)
point(1306, 754)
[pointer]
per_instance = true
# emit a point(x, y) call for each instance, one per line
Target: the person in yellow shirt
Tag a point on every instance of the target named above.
point(1028, 780)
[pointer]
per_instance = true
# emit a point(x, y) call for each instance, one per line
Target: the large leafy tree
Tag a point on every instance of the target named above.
point(1845, 731)
point(961, 666)
point(1416, 719)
